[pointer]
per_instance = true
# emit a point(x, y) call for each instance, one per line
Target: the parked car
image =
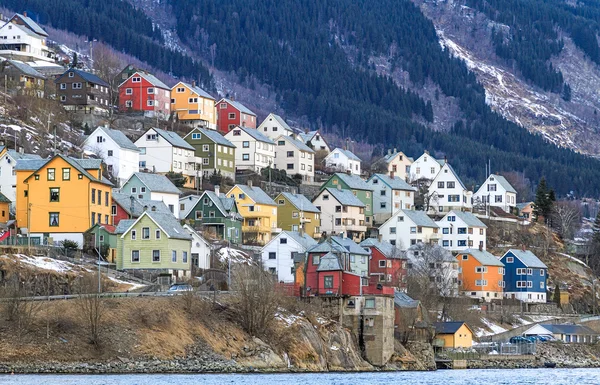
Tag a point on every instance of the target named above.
point(180, 288)
point(521, 340)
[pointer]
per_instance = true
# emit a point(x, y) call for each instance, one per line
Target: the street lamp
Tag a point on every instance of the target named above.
point(91, 41)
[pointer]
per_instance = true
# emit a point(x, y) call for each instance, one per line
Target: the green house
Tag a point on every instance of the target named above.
point(216, 214)
point(361, 189)
point(217, 153)
point(155, 241)
point(102, 235)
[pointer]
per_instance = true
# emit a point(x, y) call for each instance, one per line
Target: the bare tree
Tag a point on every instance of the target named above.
point(213, 54)
point(107, 66)
point(521, 184)
point(423, 198)
point(92, 308)
point(566, 218)
point(20, 311)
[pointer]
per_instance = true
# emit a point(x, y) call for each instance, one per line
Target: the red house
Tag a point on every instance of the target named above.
point(144, 92)
point(387, 265)
point(231, 113)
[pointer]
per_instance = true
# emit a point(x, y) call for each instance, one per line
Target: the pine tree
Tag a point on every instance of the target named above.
point(556, 296)
point(596, 231)
point(541, 199)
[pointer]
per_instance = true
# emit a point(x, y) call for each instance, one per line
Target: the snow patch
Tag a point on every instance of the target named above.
point(133, 285)
point(573, 259)
point(493, 329)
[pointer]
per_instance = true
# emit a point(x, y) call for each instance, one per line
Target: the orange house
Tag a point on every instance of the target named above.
point(480, 274)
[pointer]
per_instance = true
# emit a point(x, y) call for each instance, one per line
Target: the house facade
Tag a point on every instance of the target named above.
point(480, 274)
point(453, 335)
point(254, 151)
point(398, 164)
point(314, 140)
point(23, 39)
point(295, 157)
point(24, 78)
point(274, 126)
point(193, 105)
point(390, 194)
point(496, 191)
point(425, 167)
point(78, 90)
point(155, 187)
point(296, 213)
point(361, 189)
point(102, 236)
point(567, 333)
point(406, 228)
point(61, 197)
point(447, 192)
point(130, 206)
point(278, 254)
point(4, 208)
point(525, 210)
point(462, 230)
point(341, 212)
point(144, 92)
point(121, 156)
point(200, 250)
point(525, 276)
point(259, 212)
point(343, 161)
point(387, 265)
point(231, 114)
point(8, 175)
point(213, 152)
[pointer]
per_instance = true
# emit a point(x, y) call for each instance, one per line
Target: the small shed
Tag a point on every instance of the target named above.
point(454, 335)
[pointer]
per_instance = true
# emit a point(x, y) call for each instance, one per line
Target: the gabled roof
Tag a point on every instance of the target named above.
point(350, 246)
point(80, 165)
point(420, 218)
point(193, 198)
point(348, 153)
point(503, 182)
point(171, 137)
point(469, 219)
point(326, 247)
point(87, 76)
point(402, 300)
point(389, 157)
point(124, 225)
point(238, 105)
point(16, 155)
point(527, 257)
point(199, 91)
point(300, 202)
point(255, 134)
point(449, 327)
point(221, 202)
point(345, 197)
point(155, 182)
point(386, 248)
point(307, 136)
point(26, 69)
point(4, 199)
point(354, 182)
point(329, 262)
point(296, 143)
point(135, 207)
point(150, 78)
point(453, 172)
point(521, 206)
point(255, 193)
point(120, 138)
point(568, 329)
point(394, 183)
point(213, 135)
point(32, 25)
point(303, 240)
point(279, 120)
point(166, 222)
point(30, 164)
point(484, 257)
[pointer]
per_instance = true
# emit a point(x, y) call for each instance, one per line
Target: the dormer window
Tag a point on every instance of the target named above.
point(71, 74)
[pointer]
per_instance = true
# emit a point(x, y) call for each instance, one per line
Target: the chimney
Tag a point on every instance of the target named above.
point(153, 208)
point(193, 83)
point(445, 159)
point(145, 208)
point(249, 182)
point(217, 190)
point(523, 247)
point(426, 152)
point(131, 208)
point(301, 231)
point(395, 150)
point(339, 187)
point(392, 174)
point(481, 247)
point(106, 125)
point(379, 237)
point(389, 151)
point(25, 13)
point(21, 150)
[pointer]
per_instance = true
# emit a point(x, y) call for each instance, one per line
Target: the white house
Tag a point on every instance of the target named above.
point(315, 140)
point(186, 204)
point(390, 194)
point(568, 333)
point(254, 150)
point(397, 164)
point(294, 157)
point(8, 175)
point(462, 230)
point(163, 151)
point(447, 192)
point(274, 126)
point(154, 187)
point(343, 161)
point(497, 192)
point(278, 254)
point(341, 212)
point(409, 227)
point(425, 167)
point(200, 250)
point(23, 39)
point(121, 156)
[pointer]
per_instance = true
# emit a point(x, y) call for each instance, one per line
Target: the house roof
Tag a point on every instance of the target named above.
point(120, 138)
point(402, 300)
point(297, 143)
point(194, 198)
point(521, 206)
point(420, 218)
point(453, 172)
point(350, 246)
point(256, 194)
point(35, 27)
point(303, 240)
point(449, 327)
point(212, 135)
point(386, 248)
point(527, 257)
point(394, 183)
point(568, 329)
point(30, 164)
point(239, 106)
point(325, 247)
point(223, 204)
point(16, 155)
point(348, 153)
point(354, 182)
point(166, 221)
point(197, 90)
point(124, 225)
point(470, 219)
point(81, 165)
point(280, 120)
point(484, 257)
point(4, 199)
point(156, 182)
point(152, 79)
point(345, 197)
point(125, 201)
point(300, 202)
point(26, 69)
point(307, 136)
point(503, 182)
point(389, 157)
point(173, 138)
point(87, 76)
point(256, 134)
point(329, 262)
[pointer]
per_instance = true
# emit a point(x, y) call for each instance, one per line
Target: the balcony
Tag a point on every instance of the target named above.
point(257, 228)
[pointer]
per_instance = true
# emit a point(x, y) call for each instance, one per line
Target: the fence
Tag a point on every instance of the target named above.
point(519, 348)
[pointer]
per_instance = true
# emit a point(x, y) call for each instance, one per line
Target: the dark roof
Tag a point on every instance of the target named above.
point(87, 76)
point(173, 138)
point(448, 327)
point(31, 24)
point(568, 329)
point(4, 199)
point(123, 225)
point(300, 202)
point(156, 182)
point(26, 69)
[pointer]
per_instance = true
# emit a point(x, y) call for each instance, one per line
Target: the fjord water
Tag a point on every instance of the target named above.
point(446, 377)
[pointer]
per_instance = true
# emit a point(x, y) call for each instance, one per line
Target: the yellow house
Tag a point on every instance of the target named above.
point(193, 105)
point(295, 212)
point(259, 212)
point(4, 208)
point(61, 197)
point(453, 334)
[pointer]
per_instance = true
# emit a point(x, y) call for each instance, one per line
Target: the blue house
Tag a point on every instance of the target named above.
point(524, 276)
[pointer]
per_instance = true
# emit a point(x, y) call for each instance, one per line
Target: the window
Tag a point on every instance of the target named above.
point(481, 282)
point(283, 241)
point(184, 256)
point(445, 243)
point(521, 271)
point(382, 263)
point(155, 255)
point(272, 255)
point(94, 195)
point(450, 184)
point(462, 243)
point(63, 98)
point(51, 174)
point(128, 103)
point(99, 197)
point(491, 187)
point(529, 284)
point(151, 137)
point(529, 271)
point(510, 259)
point(481, 269)
point(328, 282)
point(54, 219)
point(136, 79)
point(245, 156)
point(382, 205)
point(133, 235)
point(54, 194)
point(413, 230)
point(370, 303)
point(174, 256)
point(205, 161)
point(445, 230)
point(128, 91)
point(316, 259)
point(465, 257)
point(157, 234)
point(113, 210)
point(150, 103)
point(205, 148)
point(392, 230)
point(76, 86)
point(63, 86)
point(451, 218)
point(290, 166)
point(542, 285)
point(135, 256)
point(110, 152)
point(232, 115)
point(145, 232)
point(290, 154)
point(498, 198)
point(542, 272)
point(400, 218)
point(462, 230)
point(106, 199)
point(196, 136)
point(440, 184)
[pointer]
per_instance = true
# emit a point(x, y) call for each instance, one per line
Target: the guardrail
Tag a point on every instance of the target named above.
point(113, 295)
